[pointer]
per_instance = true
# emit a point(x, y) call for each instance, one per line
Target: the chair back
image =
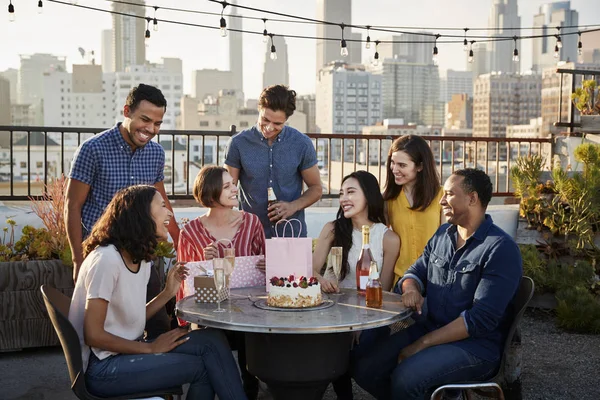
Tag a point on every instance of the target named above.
point(58, 305)
point(520, 301)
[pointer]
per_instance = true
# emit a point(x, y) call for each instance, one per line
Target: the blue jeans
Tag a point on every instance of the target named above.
point(205, 361)
point(375, 368)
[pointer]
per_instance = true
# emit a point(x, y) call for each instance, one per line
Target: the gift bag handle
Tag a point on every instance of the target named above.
point(229, 243)
point(289, 221)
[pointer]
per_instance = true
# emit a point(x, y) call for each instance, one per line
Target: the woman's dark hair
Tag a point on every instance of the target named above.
point(342, 226)
point(145, 92)
point(127, 224)
point(278, 98)
point(428, 180)
point(208, 185)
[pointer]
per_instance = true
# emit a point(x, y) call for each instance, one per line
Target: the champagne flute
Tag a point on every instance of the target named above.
point(335, 260)
point(219, 277)
point(229, 253)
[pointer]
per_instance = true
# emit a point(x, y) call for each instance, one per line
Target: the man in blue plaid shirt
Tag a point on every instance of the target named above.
point(115, 159)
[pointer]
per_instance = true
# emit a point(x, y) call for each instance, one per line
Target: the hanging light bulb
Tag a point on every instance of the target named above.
point(343, 49)
point(40, 7)
point(435, 51)
point(376, 56)
point(223, 25)
point(273, 50)
point(368, 44)
point(147, 34)
point(515, 51)
point(556, 51)
point(222, 22)
point(155, 21)
point(579, 46)
point(11, 11)
point(265, 38)
point(465, 43)
point(471, 54)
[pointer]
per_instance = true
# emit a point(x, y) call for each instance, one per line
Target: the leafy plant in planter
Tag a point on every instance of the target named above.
point(567, 213)
point(47, 243)
point(586, 99)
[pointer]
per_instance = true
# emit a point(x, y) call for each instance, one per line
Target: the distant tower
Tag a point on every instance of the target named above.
point(128, 39)
point(276, 72)
point(504, 17)
point(549, 17)
point(236, 59)
point(108, 53)
point(337, 11)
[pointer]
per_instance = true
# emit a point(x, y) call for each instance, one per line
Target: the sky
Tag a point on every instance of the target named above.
point(62, 29)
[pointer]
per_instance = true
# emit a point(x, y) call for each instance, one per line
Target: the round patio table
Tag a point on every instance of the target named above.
point(297, 353)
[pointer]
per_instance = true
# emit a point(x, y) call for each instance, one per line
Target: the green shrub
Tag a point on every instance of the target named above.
point(578, 310)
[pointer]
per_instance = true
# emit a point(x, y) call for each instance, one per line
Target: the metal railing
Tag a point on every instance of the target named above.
point(30, 156)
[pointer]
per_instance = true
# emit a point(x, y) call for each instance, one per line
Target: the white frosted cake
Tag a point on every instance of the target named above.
point(288, 292)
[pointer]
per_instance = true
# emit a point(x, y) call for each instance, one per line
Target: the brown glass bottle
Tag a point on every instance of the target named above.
point(374, 289)
point(364, 262)
point(271, 198)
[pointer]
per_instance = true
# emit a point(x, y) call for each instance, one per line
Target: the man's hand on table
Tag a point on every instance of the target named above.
point(412, 298)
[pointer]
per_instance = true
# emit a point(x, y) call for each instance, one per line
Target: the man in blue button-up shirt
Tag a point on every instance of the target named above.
point(468, 272)
point(113, 160)
point(274, 155)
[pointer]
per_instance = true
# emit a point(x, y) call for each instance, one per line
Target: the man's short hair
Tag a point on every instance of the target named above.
point(476, 180)
point(208, 185)
point(278, 98)
point(145, 92)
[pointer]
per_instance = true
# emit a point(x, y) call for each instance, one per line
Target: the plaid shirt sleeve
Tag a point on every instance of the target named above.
point(83, 167)
point(160, 174)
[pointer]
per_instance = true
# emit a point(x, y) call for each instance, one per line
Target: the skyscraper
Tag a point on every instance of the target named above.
point(410, 91)
point(108, 53)
point(419, 53)
point(30, 83)
point(504, 21)
point(329, 50)
point(128, 39)
point(276, 71)
point(236, 58)
point(553, 15)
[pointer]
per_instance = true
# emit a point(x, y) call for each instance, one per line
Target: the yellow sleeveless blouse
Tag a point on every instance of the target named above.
point(415, 228)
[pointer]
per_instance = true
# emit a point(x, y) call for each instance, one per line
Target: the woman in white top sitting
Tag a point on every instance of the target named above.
point(361, 204)
point(109, 311)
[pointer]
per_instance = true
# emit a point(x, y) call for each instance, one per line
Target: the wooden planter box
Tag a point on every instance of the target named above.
point(590, 123)
point(24, 321)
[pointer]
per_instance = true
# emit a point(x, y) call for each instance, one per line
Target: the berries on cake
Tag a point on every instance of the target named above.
point(289, 292)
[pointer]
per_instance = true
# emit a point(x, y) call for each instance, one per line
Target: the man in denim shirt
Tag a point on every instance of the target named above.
point(469, 272)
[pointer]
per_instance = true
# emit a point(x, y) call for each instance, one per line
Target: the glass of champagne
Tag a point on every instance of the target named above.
point(229, 253)
point(335, 260)
point(219, 277)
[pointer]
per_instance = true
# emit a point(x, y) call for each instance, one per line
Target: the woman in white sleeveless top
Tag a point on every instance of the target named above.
point(361, 204)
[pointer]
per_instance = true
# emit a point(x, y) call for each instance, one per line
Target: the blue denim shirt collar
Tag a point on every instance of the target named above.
point(280, 137)
point(481, 232)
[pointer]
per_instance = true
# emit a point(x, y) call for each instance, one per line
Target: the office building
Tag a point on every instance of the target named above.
point(128, 42)
point(550, 17)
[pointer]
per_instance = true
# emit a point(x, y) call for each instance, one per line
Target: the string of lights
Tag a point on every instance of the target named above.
point(468, 41)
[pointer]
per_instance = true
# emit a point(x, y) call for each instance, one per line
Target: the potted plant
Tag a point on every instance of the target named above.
point(587, 100)
point(39, 256)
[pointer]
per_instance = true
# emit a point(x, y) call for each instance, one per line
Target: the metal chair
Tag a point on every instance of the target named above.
point(521, 299)
point(58, 305)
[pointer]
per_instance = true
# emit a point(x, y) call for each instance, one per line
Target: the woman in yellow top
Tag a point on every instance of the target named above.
point(412, 194)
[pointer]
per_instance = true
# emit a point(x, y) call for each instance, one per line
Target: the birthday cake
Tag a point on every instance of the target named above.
point(289, 292)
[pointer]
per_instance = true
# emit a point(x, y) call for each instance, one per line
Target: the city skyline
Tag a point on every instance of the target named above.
point(58, 22)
